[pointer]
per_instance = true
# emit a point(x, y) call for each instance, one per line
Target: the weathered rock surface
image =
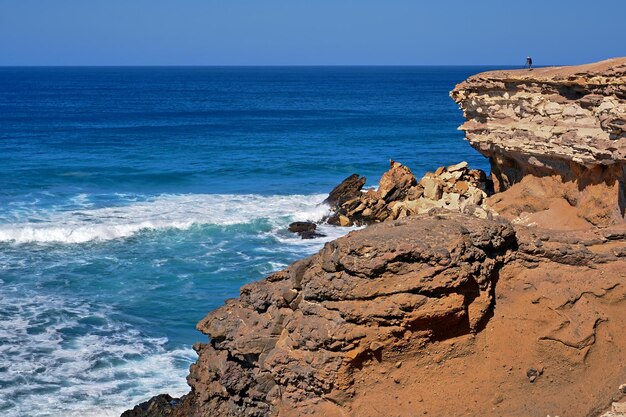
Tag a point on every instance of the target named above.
point(296, 340)
point(399, 194)
point(560, 304)
point(549, 125)
point(445, 313)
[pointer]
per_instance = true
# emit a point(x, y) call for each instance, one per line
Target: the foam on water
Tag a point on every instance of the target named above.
point(161, 212)
point(62, 357)
point(68, 353)
point(108, 258)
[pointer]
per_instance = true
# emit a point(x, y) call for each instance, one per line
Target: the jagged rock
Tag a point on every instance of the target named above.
point(298, 227)
point(395, 183)
point(348, 189)
point(400, 195)
point(160, 406)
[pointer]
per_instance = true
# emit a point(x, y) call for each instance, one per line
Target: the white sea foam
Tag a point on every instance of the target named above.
point(99, 373)
point(162, 212)
point(53, 363)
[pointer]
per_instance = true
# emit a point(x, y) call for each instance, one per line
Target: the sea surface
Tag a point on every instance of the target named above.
point(135, 200)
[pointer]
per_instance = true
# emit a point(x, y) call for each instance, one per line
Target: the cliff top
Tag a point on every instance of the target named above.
point(572, 114)
point(614, 68)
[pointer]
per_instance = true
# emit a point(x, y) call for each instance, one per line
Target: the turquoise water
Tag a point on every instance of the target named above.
point(135, 200)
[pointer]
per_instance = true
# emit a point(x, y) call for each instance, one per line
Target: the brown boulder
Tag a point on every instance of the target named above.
point(348, 189)
point(395, 183)
point(433, 188)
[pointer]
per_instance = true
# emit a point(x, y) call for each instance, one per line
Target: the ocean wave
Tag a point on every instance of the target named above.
point(162, 212)
point(63, 357)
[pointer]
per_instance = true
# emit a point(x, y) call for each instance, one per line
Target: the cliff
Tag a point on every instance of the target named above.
point(561, 131)
point(444, 313)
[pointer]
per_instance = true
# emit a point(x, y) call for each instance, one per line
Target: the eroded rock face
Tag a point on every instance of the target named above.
point(445, 313)
point(554, 346)
point(295, 340)
point(568, 122)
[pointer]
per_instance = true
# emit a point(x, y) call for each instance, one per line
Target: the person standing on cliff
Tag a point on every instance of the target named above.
point(529, 62)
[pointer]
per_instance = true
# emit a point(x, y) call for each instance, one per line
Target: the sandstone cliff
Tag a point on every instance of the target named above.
point(559, 132)
point(444, 313)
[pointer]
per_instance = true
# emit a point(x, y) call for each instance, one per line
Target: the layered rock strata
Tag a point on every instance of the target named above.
point(561, 126)
point(444, 313)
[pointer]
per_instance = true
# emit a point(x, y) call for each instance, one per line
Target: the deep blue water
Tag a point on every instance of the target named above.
point(135, 200)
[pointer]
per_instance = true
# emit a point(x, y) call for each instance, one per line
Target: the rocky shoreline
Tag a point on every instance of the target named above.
point(466, 294)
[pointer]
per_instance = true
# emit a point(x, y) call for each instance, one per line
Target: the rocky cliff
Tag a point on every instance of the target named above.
point(561, 131)
point(445, 313)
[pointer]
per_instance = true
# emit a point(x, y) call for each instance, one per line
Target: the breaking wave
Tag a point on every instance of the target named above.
point(161, 212)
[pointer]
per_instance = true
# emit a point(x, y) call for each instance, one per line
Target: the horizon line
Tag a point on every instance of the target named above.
point(260, 65)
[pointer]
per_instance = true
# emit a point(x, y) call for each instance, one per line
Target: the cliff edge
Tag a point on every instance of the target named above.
point(435, 311)
point(558, 133)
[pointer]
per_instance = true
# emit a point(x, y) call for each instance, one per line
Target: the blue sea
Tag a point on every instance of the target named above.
point(135, 200)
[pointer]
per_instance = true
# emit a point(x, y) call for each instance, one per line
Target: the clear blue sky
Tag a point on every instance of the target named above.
point(309, 32)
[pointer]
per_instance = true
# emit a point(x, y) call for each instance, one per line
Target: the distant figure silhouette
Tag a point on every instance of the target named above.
point(529, 63)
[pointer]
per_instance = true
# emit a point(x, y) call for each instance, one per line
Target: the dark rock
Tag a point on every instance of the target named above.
point(306, 230)
point(311, 234)
point(532, 374)
point(298, 227)
point(349, 189)
point(159, 406)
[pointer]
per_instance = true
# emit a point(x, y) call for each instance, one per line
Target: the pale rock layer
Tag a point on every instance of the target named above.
point(563, 122)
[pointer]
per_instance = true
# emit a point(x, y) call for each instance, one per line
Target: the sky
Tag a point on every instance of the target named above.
point(310, 32)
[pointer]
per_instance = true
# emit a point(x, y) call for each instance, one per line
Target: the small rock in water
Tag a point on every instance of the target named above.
point(306, 230)
point(298, 227)
point(310, 234)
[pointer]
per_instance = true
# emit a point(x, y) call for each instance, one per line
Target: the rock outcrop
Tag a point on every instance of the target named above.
point(445, 313)
point(306, 230)
point(559, 129)
point(400, 194)
point(297, 340)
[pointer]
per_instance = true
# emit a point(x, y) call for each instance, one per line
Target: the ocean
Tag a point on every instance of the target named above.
point(135, 200)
